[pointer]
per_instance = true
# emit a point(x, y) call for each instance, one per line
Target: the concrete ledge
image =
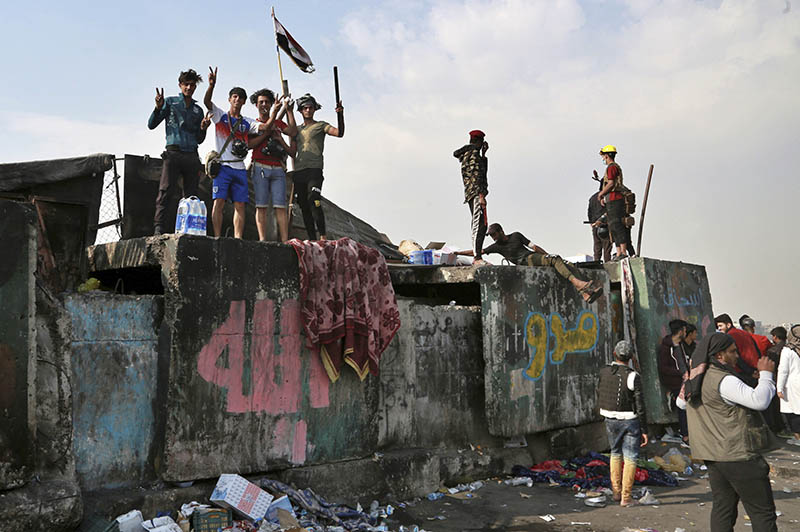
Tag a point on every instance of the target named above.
point(54, 506)
point(392, 476)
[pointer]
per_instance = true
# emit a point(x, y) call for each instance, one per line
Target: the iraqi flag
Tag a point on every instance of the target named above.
point(292, 48)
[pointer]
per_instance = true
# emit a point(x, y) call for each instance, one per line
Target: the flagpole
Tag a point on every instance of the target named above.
point(284, 85)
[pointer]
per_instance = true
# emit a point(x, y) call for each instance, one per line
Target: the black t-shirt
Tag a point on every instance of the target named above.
point(513, 248)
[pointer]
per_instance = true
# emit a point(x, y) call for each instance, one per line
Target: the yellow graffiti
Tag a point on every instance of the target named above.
point(541, 333)
point(536, 333)
point(581, 338)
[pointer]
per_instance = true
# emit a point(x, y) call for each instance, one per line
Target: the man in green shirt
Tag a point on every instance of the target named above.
point(308, 162)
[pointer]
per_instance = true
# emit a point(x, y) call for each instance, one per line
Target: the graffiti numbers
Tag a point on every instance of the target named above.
point(550, 341)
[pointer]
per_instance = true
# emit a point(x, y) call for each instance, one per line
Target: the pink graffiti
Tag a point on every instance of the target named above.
point(276, 377)
point(299, 443)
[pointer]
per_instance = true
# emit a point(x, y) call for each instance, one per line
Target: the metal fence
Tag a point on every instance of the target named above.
point(109, 222)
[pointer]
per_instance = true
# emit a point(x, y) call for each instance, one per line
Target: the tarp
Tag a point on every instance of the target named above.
point(20, 176)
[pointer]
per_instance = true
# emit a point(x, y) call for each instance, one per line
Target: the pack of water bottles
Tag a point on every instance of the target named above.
point(191, 219)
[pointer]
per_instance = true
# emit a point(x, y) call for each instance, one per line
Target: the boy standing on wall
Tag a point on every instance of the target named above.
point(474, 166)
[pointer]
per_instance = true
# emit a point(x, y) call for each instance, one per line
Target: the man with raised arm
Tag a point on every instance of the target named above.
point(232, 130)
point(185, 128)
point(308, 163)
point(269, 165)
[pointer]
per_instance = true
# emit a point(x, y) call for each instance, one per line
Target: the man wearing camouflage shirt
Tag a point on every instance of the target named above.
point(473, 172)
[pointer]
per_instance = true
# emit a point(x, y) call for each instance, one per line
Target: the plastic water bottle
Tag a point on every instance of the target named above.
point(202, 219)
point(183, 213)
point(196, 219)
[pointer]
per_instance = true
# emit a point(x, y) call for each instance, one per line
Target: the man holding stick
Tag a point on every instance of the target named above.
point(308, 163)
point(269, 165)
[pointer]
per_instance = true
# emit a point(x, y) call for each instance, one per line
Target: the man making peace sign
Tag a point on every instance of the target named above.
point(186, 128)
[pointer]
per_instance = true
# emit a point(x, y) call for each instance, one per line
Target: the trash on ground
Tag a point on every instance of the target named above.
point(435, 496)
point(547, 518)
point(597, 502)
point(524, 495)
point(242, 496)
point(519, 481)
point(588, 472)
point(161, 524)
point(648, 498)
point(130, 522)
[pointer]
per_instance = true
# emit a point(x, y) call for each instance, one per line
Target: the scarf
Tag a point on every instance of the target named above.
point(702, 357)
point(793, 339)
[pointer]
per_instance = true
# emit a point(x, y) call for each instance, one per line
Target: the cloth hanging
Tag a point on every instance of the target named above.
point(349, 308)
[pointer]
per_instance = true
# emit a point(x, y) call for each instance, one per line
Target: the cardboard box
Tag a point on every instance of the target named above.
point(241, 496)
point(211, 519)
point(283, 503)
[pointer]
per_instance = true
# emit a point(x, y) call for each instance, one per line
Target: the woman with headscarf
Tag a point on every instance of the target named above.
point(789, 382)
point(729, 434)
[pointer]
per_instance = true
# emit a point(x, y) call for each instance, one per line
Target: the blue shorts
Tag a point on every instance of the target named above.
point(230, 183)
point(269, 184)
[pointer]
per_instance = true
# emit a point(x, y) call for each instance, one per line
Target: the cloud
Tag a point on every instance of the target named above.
point(705, 91)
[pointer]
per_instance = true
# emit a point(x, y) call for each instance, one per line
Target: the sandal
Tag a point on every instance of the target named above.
point(594, 290)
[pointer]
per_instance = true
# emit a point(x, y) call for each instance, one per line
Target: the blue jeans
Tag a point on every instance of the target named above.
point(269, 183)
point(624, 437)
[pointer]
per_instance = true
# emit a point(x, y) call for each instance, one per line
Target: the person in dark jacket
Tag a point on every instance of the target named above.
point(772, 414)
point(600, 236)
point(690, 342)
point(672, 367)
point(621, 403)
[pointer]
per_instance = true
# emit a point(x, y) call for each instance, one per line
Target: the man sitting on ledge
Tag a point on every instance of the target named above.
point(521, 251)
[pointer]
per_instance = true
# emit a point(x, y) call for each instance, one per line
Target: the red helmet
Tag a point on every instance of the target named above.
point(477, 133)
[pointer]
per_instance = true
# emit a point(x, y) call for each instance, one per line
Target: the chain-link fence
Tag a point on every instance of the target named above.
point(110, 219)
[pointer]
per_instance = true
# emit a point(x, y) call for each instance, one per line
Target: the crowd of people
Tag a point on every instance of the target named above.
point(733, 390)
point(271, 140)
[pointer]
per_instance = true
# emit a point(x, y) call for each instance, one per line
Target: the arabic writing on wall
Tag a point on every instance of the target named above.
point(693, 299)
point(550, 342)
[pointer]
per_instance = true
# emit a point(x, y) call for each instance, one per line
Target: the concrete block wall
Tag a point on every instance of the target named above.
point(17, 343)
point(114, 346)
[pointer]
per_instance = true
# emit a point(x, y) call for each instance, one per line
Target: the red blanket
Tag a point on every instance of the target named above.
point(349, 309)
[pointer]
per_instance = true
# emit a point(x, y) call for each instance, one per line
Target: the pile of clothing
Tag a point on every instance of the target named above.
point(588, 472)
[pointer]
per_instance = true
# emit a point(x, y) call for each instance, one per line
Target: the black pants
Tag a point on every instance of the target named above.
point(602, 246)
point(745, 481)
point(478, 214)
point(682, 423)
point(308, 191)
point(175, 164)
point(615, 212)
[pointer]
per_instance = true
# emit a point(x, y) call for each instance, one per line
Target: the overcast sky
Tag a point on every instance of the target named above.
point(704, 90)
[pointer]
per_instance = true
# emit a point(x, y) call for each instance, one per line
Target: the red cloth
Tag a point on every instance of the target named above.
point(268, 159)
point(349, 308)
point(612, 172)
point(746, 346)
point(550, 465)
point(762, 342)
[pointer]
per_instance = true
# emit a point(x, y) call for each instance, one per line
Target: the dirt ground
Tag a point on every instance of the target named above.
point(497, 506)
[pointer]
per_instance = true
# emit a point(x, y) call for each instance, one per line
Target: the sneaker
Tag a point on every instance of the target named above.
point(793, 441)
point(785, 434)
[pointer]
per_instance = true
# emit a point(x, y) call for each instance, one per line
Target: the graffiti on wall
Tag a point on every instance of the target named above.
point(272, 381)
point(692, 299)
point(550, 341)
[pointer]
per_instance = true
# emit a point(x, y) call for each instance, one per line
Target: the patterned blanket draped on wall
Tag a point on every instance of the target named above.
point(349, 308)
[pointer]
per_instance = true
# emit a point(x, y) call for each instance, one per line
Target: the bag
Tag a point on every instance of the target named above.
point(213, 164)
point(629, 196)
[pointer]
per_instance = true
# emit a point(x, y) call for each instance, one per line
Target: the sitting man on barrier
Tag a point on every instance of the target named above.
point(521, 251)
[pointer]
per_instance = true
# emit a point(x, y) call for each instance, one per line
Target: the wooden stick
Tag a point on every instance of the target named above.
point(644, 208)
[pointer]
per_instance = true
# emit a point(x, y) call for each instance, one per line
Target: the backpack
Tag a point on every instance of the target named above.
point(629, 196)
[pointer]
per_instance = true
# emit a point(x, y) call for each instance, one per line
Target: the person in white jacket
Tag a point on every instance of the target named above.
point(788, 385)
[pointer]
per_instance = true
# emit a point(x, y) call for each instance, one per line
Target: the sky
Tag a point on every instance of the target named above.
point(706, 91)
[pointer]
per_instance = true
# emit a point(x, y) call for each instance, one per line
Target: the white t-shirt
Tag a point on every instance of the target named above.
point(222, 127)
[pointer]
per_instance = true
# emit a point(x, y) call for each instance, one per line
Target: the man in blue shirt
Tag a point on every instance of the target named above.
point(186, 127)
